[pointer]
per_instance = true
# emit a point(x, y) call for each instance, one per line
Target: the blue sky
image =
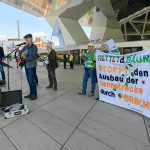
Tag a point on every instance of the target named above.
point(28, 23)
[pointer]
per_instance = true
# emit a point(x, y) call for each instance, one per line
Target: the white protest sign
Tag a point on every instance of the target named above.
point(124, 80)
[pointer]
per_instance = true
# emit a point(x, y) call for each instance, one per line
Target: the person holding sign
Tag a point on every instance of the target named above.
point(89, 70)
point(105, 49)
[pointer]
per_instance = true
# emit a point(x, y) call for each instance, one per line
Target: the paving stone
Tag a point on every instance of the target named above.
point(26, 136)
point(121, 124)
point(82, 141)
point(51, 125)
point(5, 143)
point(68, 110)
point(111, 137)
point(147, 122)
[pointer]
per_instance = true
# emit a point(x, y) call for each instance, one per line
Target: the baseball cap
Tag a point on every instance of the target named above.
point(27, 36)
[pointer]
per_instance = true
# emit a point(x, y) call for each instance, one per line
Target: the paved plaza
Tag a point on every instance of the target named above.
point(63, 120)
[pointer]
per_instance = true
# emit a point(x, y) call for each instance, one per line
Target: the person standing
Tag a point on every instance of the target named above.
point(17, 57)
point(29, 53)
point(71, 60)
point(52, 65)
point(2, 56)
point(89, 70)
point(65, 61)
point(105, 49)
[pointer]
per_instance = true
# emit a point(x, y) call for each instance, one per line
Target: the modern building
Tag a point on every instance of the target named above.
point(125, 20)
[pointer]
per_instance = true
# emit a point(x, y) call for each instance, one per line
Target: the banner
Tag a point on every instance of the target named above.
point(58, 33)
point(112, 47)
point(124, 80)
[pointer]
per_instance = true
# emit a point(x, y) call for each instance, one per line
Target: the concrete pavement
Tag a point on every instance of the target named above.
point(63, 120)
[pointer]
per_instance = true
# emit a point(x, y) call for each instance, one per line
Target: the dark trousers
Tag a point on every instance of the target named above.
point(65, 63)
point(71, 64)
point(36, 78)
point(2, 72)
point(30, 74)
point(52, 78)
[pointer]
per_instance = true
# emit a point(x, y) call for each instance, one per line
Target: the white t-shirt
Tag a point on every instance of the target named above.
point(17, 53)
point(46, 61)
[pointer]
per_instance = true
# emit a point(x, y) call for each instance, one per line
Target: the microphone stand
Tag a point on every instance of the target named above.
point(7, 57)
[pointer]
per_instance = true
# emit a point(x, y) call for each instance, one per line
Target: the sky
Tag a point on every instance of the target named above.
point(28, 24)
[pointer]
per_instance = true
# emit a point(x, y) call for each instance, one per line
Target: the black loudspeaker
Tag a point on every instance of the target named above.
point(10, 97)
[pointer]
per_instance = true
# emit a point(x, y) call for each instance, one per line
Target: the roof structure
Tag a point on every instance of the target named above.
point(108, 18)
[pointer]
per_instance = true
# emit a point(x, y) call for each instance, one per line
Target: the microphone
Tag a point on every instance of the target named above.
point(23, 43)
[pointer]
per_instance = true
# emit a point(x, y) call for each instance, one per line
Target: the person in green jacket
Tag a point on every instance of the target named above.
point(89, 70)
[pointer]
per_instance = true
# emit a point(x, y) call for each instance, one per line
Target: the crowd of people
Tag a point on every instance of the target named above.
point(29, 53)
point(28, 56)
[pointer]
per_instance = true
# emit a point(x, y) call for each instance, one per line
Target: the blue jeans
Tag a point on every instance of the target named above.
point(2, 72)
point(31, 75)
point(87, 74)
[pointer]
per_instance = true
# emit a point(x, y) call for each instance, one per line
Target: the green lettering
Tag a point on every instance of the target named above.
point(146, 58)
point(128, 59)
point(133, 59)
point(139, 59)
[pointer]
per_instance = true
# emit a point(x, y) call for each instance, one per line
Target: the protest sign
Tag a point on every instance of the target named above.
point(124, 80)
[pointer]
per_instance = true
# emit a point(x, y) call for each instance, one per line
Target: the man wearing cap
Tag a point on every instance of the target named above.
point(89, 67)
point(29, 53)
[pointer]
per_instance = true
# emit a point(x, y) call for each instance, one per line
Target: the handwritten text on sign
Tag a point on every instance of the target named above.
point(125, 80)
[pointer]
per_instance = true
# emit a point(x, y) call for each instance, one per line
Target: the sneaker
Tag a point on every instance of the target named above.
point(32, 98)
point(28, 96)
point(81, 93)
point(91, 94)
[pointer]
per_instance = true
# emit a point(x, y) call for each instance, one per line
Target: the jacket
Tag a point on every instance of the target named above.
point(1, 53)
point(70, 58)
point(52, 58)
point(31, 58)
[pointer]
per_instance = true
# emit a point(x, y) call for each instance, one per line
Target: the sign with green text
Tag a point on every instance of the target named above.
point(124, 80)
